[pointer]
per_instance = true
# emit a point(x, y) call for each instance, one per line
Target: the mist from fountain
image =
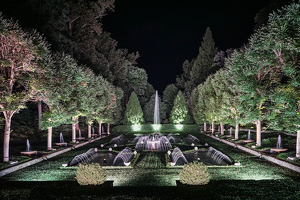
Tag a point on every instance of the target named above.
point(279, 144)
point(176, 154)
point(118, 140)
point(84, 157)
point(126, 155)
point(249, 135)
point(217, 156)
point(61, 138)
point(192, 138)
point(153, 142)
point(27, 145)
point(156, 110)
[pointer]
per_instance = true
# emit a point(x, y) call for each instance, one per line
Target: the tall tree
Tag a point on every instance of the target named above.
point(169, 95)
point(202, 66)
point(20, 55)
point(180, 112)
point(133, 113)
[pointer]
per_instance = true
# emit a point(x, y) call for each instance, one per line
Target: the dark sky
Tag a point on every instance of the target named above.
point(166, 33)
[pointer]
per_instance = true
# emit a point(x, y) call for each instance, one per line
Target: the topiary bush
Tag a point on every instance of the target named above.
point(195, 173)
point(90, 174)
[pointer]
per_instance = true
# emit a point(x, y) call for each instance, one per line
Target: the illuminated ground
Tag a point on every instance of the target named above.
point(255, 177)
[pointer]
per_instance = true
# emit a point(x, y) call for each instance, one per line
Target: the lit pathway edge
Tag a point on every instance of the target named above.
point(37, 160)
point(253, 152)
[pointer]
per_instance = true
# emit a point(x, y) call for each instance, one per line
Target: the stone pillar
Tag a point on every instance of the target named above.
point(89, 131)
point(49, 139)
point(73, 132)
point(222, 128)
point(40, 114)
point(108, 129)
point(212, 127)
point(205, 128)
point(298, 144)
point(99, 129)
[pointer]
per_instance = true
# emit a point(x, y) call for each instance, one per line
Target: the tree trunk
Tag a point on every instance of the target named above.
point(89, 131)
point(205, 128)
point(258, 133)
point(40, 114)
point(298, 144)
point(108, 129)
point(49, 140)
point(6, 139)
point(222, 128)
point(99, 130)
point(212, 127)
point(236, 131)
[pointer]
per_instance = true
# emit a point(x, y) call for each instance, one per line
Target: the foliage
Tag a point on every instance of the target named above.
point(195, 173)
point(90, 174)
point(179, 113)
point(169, 95)
point(133, 113)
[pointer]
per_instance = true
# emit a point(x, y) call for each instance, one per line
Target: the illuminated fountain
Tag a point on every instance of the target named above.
point(153, 142)
point(28, 152)
point(217, 156)
point(126, 155)
point(156, 120)
point(249, 138)
point(192, 138)
point(84, 157)
point(278, 148)
point(176, 154)
point(61, 141)
point(118, 140)
point(79, 136)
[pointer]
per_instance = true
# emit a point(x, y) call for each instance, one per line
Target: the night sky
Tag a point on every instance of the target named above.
point(166, 33)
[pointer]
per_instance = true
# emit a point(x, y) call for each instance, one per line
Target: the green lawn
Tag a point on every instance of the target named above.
point(254, 179)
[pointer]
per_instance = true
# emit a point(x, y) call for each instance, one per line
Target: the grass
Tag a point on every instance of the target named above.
point(255, 179)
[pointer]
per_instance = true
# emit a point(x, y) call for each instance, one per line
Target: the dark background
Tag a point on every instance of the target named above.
point(166, 33)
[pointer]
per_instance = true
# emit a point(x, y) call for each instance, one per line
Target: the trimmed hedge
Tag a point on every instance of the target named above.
point(90, 174)
point(195, 173)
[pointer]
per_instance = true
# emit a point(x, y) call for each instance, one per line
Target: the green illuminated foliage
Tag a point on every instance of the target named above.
point(90, 174)
point(133, 112)
point(180, 113)
point(195, 173)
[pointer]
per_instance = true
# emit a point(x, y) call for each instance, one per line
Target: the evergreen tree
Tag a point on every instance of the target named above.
point(179, 113)
point(133, 113)
point(169, 95)
point(202, 66)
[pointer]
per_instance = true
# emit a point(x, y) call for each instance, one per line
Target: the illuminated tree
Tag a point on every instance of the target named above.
point(20, 56)
point(169, 95)
point(202, 66)
point(180, 113)
point(133, 113)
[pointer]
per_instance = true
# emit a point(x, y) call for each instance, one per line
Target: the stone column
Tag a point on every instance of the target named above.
point(236, 131)
point(89, 131)
point(222, 128)
point(205, 128)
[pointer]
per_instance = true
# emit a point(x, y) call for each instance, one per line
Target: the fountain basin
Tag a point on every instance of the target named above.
point(28, 153)
point(248, 141)
point(62, 144)
point(278, 150)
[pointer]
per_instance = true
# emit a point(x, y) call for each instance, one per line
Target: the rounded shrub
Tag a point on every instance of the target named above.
point(90, 174)
point(195, 173)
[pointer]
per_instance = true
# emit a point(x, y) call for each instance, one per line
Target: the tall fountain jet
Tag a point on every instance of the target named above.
point(156, 110)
